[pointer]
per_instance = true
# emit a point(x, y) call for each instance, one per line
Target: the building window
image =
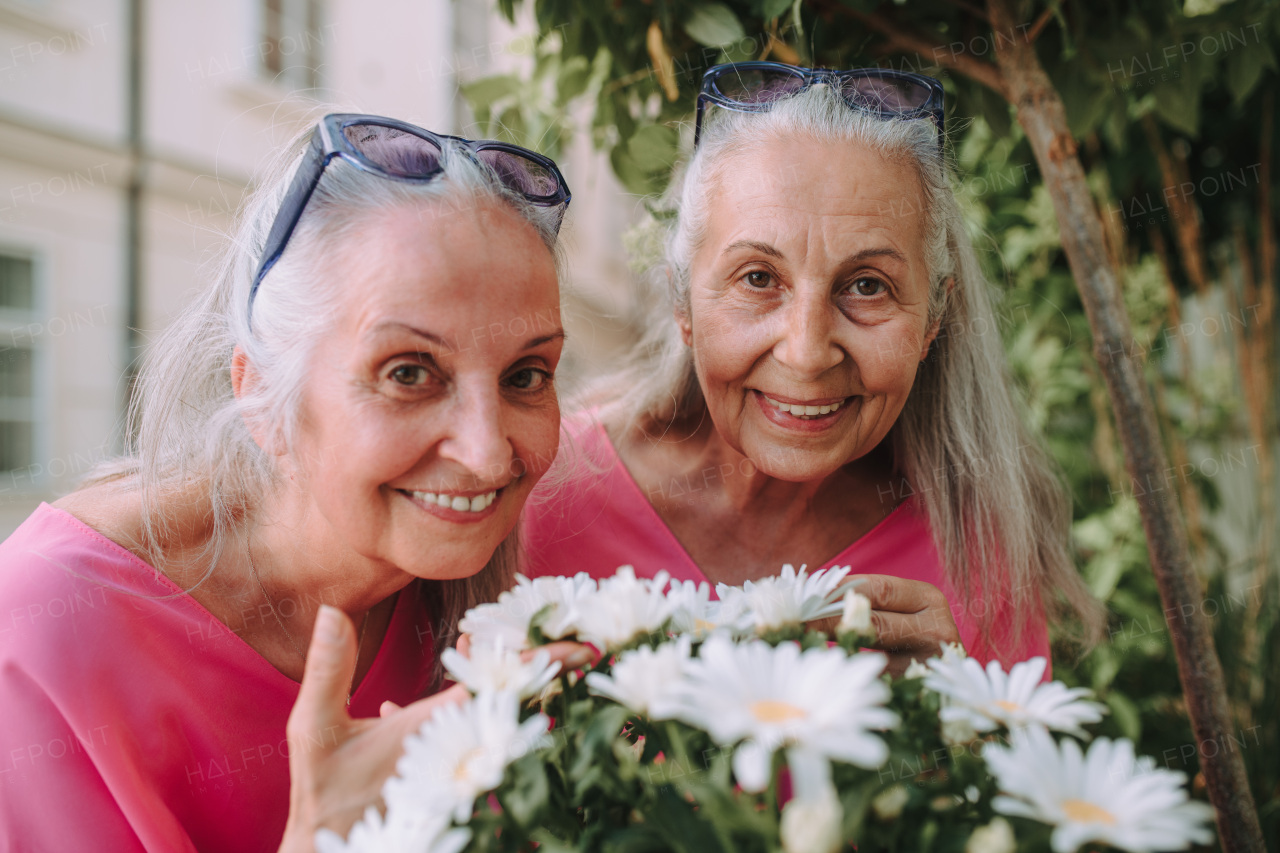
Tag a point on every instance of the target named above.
point(17, 362)
point(293, 39)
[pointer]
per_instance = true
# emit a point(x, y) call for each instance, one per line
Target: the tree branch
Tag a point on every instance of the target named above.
point(1044, 119)
point(1040, 24)
point(901, 39)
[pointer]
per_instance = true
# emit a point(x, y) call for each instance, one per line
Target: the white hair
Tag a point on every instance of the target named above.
point(188, 432)
point(999, 514)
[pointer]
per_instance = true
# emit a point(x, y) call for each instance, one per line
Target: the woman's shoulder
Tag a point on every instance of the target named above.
point(64, 587)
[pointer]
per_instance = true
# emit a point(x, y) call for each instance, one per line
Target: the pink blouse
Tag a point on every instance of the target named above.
point(131, 719)
point(602, 519)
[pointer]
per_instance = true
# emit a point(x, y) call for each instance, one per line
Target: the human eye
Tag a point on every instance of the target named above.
point(868, 286)
point(410, 374)
point(757, 279)
point(529, 379)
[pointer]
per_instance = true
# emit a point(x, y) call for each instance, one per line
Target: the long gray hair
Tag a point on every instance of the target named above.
point(188, 432)
point(1000, 516)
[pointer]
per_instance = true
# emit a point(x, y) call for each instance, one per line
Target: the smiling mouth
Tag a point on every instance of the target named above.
point(805, 410)
point(457, 503)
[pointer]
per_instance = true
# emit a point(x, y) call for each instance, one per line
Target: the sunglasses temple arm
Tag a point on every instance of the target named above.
point(295, 201)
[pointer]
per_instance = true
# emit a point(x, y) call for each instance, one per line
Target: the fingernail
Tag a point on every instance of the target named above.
point(329, 624)
point(581, 657)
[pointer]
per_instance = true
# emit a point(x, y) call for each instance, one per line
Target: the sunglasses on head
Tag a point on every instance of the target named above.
point(753, 87)
point(401, 151)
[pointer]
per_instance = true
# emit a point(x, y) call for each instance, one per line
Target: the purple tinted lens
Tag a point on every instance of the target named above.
point(885, 94)
point(521, 174)
point(394, 151)
point(757, 86)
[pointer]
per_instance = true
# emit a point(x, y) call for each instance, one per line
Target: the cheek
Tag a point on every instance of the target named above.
point(725, 349)
point(536, 438)
point(887, 361)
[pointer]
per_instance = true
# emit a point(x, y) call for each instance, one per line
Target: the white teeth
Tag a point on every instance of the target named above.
point(459, 503)
point(804, 411)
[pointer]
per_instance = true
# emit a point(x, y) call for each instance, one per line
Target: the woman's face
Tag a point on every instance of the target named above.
point(430, 412)
point(808, 305)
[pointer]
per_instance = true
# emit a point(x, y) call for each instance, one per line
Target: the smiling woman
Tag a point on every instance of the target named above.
point(810, 390)
point(324, 446)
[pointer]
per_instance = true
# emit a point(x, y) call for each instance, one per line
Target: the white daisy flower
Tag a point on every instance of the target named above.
point(990, 698)
point(692, 610)
point(461, 753)
point(494, 667)
point(790, 598)
point(508, 619)
point(645, 679)
point(768, 698)
point(419, 831)
point(1106, 795)
point(622, 609)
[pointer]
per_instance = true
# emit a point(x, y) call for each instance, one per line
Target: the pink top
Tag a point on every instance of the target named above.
point(603, 520)
point(131, 719)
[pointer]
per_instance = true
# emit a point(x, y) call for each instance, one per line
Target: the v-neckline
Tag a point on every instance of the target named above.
point(693, 572)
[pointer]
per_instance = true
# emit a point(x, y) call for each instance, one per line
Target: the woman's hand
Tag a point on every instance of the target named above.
point(911, 618)
point(337, 765)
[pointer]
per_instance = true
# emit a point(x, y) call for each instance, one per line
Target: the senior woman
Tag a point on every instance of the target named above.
point(340, 433)
point(822, 385)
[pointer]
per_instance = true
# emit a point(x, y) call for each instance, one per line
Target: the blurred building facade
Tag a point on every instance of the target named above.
point(129, 132)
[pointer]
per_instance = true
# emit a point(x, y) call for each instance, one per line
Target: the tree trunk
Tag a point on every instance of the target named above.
point(1042, 116)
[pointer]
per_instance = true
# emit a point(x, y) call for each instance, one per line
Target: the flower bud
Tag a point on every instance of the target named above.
point(857, 614)
point(958, 732)
point(812, 824)
point(995, 837)
point(888, 804)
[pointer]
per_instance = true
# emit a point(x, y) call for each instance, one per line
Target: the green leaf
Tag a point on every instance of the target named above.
point(714, 25)
point(528, 791)
point(774, 8)
point(487, 90)
point(653, 148)
point(1178, 105)
point(574, 76)
point(1244, 70)
point(1126, 715)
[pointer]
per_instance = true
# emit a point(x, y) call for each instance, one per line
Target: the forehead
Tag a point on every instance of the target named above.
point(448, 267)
point(842, 192)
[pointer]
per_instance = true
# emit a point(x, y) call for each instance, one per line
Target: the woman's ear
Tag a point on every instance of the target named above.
point(686, 327)
point(239, 368)
point(244, 381)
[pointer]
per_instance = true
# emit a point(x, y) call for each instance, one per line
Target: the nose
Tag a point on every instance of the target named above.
point(477, 439)
point(806, 342)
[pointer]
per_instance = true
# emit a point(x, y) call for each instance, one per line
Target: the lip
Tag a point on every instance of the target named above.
point(453, 515)
point(824, 401)
point(791, 423)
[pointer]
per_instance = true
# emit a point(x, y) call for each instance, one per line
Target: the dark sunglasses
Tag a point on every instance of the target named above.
point(754, 87)
point(403, 152)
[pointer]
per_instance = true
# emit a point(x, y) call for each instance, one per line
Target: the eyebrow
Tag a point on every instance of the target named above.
point(441, 342)
point(856, 257)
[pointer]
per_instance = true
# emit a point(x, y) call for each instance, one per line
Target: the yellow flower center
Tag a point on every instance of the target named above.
point(771, 711)
point(703, 625)
point(461, 770)
point(1085, 812)
point(1006, 705)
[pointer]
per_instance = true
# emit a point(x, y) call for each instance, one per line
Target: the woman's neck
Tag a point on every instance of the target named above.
point(737, 522)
